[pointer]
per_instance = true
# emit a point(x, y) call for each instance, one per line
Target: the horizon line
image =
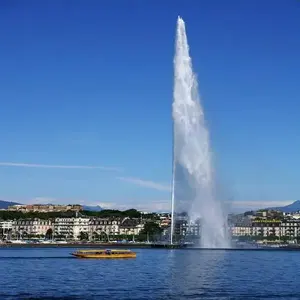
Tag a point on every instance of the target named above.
point(45, 166)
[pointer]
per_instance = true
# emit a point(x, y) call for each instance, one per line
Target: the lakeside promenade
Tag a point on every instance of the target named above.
point(72, 245)
point(295, 247)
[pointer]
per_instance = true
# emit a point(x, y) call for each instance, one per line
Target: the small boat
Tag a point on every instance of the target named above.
point(107, 253)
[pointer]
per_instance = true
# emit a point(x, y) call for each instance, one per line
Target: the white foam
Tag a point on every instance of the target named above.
point(194, 186)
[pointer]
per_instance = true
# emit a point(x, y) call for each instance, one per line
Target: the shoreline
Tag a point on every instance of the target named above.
point(75, 245)
point(143, 246)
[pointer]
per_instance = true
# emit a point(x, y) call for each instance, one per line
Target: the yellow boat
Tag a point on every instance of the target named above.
point(99, 253)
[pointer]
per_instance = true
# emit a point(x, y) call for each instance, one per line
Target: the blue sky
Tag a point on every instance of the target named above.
point(89, 83)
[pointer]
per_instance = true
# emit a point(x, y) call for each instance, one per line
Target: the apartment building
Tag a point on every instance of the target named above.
point(107, 225)
point(130, 226)
point(35, 226)
point(268, 227)
point(71, 228)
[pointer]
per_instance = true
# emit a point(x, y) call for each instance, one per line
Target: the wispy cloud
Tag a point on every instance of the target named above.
point(27, 165)
point(165, 205)
point(258, 204)
point(237, 205)
point(146, 183)
point(43, 200)
point(147, 206)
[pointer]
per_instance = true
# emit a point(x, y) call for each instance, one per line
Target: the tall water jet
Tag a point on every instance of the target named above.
point(193, 184)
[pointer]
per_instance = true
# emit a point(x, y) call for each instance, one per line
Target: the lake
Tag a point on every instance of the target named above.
point(51, 273)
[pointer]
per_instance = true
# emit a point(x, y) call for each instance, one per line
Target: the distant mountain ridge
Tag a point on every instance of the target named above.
point(6, 204)
point(92, 208)
point(293, 207)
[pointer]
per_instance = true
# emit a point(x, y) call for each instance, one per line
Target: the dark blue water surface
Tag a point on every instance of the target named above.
point(51, 273)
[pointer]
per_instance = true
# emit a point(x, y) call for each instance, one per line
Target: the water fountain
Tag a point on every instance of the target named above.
point(193, 184)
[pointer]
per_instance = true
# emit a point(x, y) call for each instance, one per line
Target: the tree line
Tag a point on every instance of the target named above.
point(106, 213)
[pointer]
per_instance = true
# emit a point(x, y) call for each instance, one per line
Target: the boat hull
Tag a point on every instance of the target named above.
point(104, 256)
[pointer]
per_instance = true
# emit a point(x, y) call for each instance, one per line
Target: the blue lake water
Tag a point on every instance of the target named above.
point(51, 273)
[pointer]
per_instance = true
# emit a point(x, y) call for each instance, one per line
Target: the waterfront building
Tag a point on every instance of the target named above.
point(242, 227)
point(290, 228)
point(31, 227)
point(6, 225)
point(5, 229)
point(114, 227)
point(71, 228)
point(130, 226)
point(164, 221)
point(241, 230)
point(108, 226)
point(81, 226)
point(185, 230)
point(266, 227)
point(295, 216)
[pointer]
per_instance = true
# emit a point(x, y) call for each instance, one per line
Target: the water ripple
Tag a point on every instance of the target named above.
point(154, 274)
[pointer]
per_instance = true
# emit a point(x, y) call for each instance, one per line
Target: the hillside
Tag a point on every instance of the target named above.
point(92, 208)
point(293, 207)
point(6, 204)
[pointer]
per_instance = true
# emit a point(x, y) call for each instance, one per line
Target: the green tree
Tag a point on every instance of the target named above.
point(49, 234)
point(83, 236)
point(60, 237)
point(272, 237)
point(249, 213)
point(103, 236)
point(150, 230)
point(15, 215)
point(108, 213)
point(95, 236)
point(284, 238)
point(132, 213)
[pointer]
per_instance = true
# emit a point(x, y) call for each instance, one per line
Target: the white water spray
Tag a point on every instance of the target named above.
point(193, 189)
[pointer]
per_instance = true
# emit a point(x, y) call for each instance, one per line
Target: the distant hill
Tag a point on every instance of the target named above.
point(293, 207)
point(6, 204)
point(92, 208)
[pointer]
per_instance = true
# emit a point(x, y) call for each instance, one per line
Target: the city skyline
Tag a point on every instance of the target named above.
point(86, 114)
